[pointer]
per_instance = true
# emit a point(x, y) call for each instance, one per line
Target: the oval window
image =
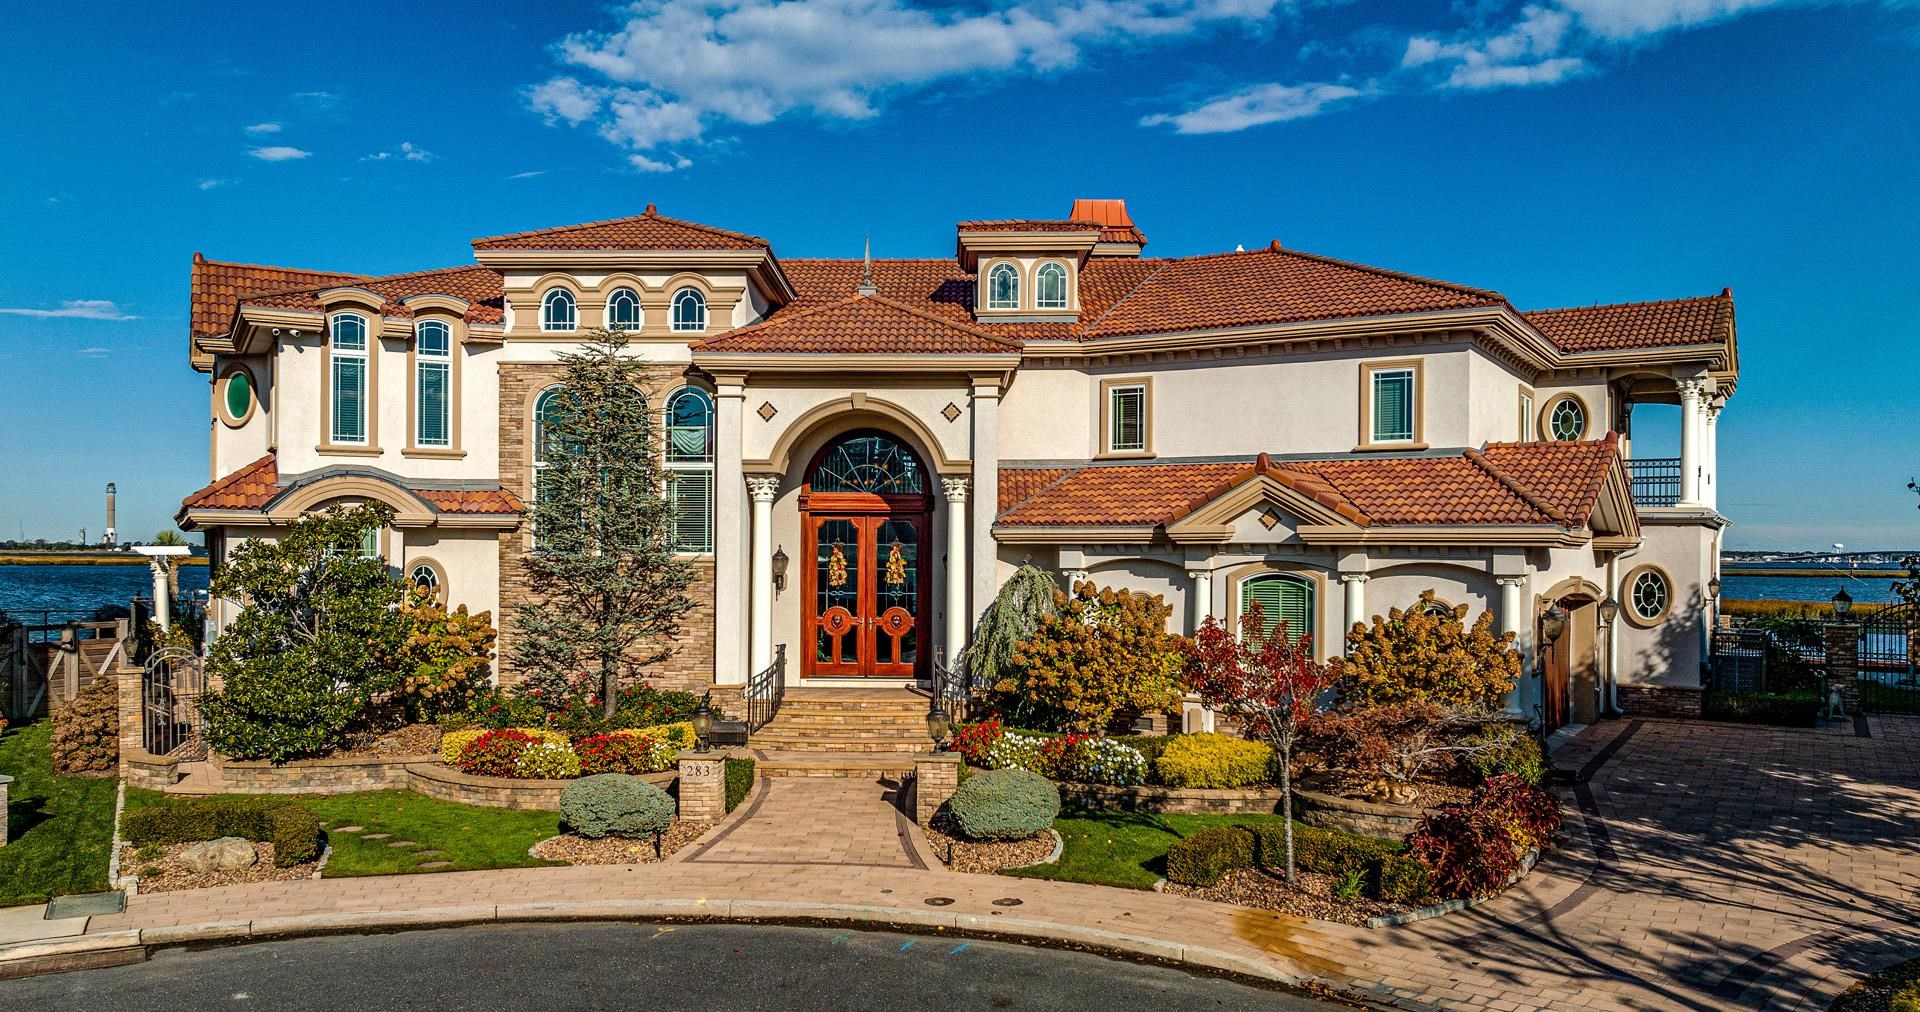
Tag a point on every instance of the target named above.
point(1649, 595)
point(239, 395)
point(1567, 420)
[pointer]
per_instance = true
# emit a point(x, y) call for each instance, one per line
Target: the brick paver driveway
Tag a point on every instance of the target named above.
point(1710, 866)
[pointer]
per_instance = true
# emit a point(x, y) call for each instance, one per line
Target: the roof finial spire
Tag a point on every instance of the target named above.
point(866, 281)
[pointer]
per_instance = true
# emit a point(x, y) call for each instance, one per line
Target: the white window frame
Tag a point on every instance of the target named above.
point(549, 322)
point(699, 299)
point(424, 363)
point(1014, 270)
point(537, 455)
point(691, 466)
point(1040, 274)
point(338, 353)
point(630, 297)
point(1526, 416)
point(1110, 417)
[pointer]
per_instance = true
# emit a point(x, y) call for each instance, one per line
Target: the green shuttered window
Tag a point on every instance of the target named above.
point(433, 364)
point(1393, 406)
point(1281, 598)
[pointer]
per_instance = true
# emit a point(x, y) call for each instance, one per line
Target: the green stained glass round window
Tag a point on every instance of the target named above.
point(1567, 420)
point(239, 394)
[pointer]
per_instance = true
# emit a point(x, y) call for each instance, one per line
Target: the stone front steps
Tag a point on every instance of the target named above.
point(860, 765)
point(844, 732)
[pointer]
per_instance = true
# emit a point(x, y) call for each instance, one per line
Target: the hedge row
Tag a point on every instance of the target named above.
point(740, 776)
point(292, 828)
point(1780, 709)
point(1203, 858)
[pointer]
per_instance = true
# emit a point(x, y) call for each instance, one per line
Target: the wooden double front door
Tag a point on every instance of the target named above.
point(866, 587)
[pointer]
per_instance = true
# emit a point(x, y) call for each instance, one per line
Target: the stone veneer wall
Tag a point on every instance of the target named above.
point(1659, 700)
point(449, 784)
point(691, 666)
point(318, 776)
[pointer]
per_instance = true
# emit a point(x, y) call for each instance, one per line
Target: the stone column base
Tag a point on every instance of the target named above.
point(935, 777)
point(703, 786)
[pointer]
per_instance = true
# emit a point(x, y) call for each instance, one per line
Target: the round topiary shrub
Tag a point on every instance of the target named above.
point(1009, 804)
point(614, 804)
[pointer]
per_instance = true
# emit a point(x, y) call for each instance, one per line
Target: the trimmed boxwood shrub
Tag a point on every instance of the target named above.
point(292, 828)
point(1203, 858)
point(614, 804)
point(1327, 851)
point(1213, 761)
point(1401, 879)
point(740, 776)
point(1009, 804)
point(1779, 709)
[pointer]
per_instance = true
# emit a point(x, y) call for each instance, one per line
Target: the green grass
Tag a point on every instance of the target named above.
point(1126, 849)
point(59, 828)
point(472, 838)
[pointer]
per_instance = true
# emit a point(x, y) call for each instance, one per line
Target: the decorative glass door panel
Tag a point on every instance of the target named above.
point(896, 596)
point(837, 617)
point(866, 585)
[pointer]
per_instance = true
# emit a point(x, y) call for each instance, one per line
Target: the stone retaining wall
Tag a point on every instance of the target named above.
point(1660, 700)
point(1179, 800)
point(144, 769)
point(423, 774)
point(338, 775)
point(1351, 815)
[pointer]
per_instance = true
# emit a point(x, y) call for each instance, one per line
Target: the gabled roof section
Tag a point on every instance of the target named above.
point(860, 325)
point(1706, 320)
point(479, 286)
point(217, 287)
point(257, 486)
point(1562, 477)
point(649, 230)
point(249, 488)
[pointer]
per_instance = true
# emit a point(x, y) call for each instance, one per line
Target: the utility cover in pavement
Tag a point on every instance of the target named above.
point(86, 905)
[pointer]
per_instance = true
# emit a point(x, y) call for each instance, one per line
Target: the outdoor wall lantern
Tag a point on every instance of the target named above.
point(1713, 588)
point(702, 726)
point(780, 568)
point(1609, 610)
point(939, 726)
point(1842, 603)
point(1553, 624)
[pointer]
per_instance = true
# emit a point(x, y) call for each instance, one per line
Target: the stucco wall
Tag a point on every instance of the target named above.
point(1669, 651)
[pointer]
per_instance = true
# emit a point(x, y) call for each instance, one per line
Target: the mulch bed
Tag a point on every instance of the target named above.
point(165, 875)
point(1875, 994)
point(1311, 895)
point(618, 850)
point(984, 857)
point(414, 739)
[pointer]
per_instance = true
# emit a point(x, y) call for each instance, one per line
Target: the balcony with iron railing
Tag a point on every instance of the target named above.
point(1655, 481)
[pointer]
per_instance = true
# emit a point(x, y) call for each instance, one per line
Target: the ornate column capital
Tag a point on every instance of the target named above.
point(763, 487)
point(1199, 574)
point(955, 489)
point(1511, 581)
point(1691, 389)
point(1353, 577)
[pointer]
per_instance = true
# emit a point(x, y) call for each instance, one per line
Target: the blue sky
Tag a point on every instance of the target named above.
point(1561, 151)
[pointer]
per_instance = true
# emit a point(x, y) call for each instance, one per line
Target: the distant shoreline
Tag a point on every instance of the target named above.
point(87, 559)
point(1735, 569)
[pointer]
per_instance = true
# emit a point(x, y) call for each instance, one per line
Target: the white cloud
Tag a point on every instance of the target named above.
point(262, 128)
point(1527, 53)
point(316, 100)
point(408, 152)
point(1629, 20)
point(1259, 104)
point(678, 68)
point(279, 153)
point(214, 184)
point(529, 174)
point(94, 352)
point(76, 309)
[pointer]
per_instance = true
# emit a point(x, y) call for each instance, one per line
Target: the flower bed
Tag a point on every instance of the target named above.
point(448, 784)
point(533, 753)
point(574, 849)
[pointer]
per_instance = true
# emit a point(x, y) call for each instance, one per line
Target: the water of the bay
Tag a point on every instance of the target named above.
point(25, 589)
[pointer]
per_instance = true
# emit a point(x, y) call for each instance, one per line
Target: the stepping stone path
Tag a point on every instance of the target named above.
point(430, 853)
point(349, 829)
point(403, 843)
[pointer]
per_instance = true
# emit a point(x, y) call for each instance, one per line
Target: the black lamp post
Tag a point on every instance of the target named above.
point(1553, 623)
point(939, 726)
point(1842, 603)
point(702, 726)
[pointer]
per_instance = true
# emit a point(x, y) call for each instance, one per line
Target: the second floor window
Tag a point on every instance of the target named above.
point(433, 384)
point(1050, 287)
point(623, 310)
point(348, 379)
point(557, 310)
point(1003, 287)
point(1127, 418)
point(1393, 396)
point(690, 469)
point(689, 310)
point(1526, 417)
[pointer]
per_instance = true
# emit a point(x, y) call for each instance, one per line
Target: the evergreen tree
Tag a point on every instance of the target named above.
point(606, 590)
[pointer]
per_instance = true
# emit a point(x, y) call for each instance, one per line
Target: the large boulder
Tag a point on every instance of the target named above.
point(229, 853)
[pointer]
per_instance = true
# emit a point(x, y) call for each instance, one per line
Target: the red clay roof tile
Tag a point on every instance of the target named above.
point(1705, 320)
point(257, 484)
point(1028, 225)
point(860, 324)
point(216, 287)
point(479, 286)
point(650, 230)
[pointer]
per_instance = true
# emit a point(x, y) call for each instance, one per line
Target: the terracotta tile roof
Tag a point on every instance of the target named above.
point(217, 287)
point(1706, 320)
point(1551, 484)
point(860, 324)
point(650, 230)
point(1116, 225)
point(480, 286)
point(942, 288)
point(257, 484)
point(1027, 225)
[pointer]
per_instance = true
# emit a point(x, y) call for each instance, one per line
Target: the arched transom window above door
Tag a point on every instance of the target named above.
point(868, 462)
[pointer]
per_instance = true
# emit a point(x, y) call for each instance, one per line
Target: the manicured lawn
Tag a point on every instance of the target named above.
point(471, 838)
point(59, 828)
point(1127, 849)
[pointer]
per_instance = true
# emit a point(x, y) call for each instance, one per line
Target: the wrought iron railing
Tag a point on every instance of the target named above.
point(1656, 481)
point(952, 687)
point(765, 689)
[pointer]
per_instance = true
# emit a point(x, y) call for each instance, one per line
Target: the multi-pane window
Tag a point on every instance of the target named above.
point(1003, 287)
point(1393, 395)
point(1050, 287)
point(557, 311)
point(1649, 595)
point(689, 310)
point(426, 579)
point(1281, 598)
point(690, 469)
point(433, 384)
point(348, 381)
point(1567, 419)
point(623, 310)
point(546, 410)
point(1526, 417)
point(1127, 418)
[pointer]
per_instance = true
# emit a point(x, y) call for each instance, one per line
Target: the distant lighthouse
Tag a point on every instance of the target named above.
point(109, 539)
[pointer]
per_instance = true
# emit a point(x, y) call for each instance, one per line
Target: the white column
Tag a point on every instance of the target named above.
point(983, 550)
point(762, 487)
point(729, 527)
point(1512, 620)
point(1202, 597)
point(1690, 391)
point(956, 490)
point(1711, 416)
point(162, 601)
point(1356, 587)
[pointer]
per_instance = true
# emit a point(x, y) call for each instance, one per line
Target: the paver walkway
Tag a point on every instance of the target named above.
point(1709, 867)
point(815, 821)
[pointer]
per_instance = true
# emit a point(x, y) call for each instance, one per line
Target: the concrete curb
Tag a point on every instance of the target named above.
point(132, 946)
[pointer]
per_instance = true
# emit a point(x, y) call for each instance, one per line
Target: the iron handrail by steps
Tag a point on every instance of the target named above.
point(952, 688)
point(766, 689)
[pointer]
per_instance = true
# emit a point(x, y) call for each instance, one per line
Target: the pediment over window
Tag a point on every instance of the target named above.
point(1268, 506)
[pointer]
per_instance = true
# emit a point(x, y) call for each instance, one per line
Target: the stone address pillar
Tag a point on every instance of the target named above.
point(1843, 664)
point(703, 786)
point(935, 777)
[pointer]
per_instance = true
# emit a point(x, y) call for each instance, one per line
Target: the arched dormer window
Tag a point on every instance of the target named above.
point(623, 310)
point(347, 379)
point(433, 384)
point(1050, 287)
point(1003, 287)
point(1282, 597)
point(689, 310)
point(690, 469)
point(557, 310)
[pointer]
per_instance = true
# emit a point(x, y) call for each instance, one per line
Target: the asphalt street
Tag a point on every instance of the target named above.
point(645, 966)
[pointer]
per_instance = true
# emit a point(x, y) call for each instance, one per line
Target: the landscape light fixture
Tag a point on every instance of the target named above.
point(1713, 588)
point(1553, 623)
point(1842, 603)
point(939, 726)
point(702, 725)
point(780, 568)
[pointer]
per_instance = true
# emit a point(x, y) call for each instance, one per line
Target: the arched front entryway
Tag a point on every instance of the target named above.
point(1571, 661)
point(865, 521)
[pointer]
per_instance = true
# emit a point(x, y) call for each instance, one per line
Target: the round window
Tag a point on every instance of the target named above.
point(1648, 595)
point(1567, 420)
point(425, 578)
point(239, 395)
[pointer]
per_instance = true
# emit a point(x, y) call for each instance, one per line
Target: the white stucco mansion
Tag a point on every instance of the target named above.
point(862, 451)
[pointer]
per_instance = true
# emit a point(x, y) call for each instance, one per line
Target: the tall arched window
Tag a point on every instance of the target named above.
point(690, 469)
point(1003, 287)
point(557, 310)
point(347, 379)
point(1282, 598)
point(1050, 287)
point(689, 310)
point(623, 310)
point(546, 410)
point(433, 384)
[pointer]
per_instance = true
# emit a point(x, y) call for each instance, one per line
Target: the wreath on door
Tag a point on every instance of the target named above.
point(837, 568)
point(896, 567)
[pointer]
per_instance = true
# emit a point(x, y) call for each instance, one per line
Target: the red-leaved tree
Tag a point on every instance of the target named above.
point(1267, 680)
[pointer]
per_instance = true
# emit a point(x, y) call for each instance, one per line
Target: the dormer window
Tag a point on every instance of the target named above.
point(1050, 287)
point(689, 310)
point(557, 311)
point(1003, 287)
point(623, 310)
